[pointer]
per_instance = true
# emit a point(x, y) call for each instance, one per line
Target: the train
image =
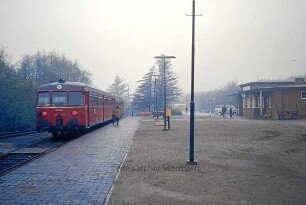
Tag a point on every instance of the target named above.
point(72, 107)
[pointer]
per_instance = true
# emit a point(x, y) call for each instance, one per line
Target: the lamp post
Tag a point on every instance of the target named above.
point(164, 76)
point(191, 148)
point(155, 96)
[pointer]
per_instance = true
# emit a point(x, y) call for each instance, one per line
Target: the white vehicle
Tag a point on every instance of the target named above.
point(218, 109)
point(181, 107)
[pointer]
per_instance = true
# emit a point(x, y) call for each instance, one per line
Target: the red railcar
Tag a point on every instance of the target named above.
point(64, 107)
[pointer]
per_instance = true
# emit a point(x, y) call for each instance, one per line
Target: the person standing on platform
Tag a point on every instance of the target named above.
point(116, 115)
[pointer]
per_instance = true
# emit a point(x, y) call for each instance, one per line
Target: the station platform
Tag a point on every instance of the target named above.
point(80, 172)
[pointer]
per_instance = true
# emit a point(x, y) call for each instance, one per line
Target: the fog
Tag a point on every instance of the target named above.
point(243, 40)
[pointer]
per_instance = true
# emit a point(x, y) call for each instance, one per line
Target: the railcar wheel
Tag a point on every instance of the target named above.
point(54, 135)
point(75, 134)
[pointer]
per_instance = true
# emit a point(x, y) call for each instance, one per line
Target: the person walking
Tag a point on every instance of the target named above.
point(116, 115)
point(231, 110)
point(223, 111)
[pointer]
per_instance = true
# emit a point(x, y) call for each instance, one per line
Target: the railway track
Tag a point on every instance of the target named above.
point(13, 160)
point(27, 148)
point(20, 148)
point(18, 133)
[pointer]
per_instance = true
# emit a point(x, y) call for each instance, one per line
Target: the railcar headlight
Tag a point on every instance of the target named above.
point(74, 113)
point(44, 114)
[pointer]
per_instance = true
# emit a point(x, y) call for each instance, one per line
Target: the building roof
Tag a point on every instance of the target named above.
point(283, 87)
point(285, 82)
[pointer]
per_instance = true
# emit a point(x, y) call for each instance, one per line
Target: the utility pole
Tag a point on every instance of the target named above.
point(164, 78)
point(191, 148)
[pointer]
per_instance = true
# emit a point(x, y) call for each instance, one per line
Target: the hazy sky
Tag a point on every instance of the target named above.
point(235, 39)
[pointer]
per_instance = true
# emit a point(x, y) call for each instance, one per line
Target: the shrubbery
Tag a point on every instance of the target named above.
point(176, 112)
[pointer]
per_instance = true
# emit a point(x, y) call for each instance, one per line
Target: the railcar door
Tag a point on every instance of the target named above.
point(87, 108)
point(106, 108)
point(103, 107)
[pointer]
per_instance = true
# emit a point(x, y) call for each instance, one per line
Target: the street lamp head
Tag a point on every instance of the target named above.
point(163, 57)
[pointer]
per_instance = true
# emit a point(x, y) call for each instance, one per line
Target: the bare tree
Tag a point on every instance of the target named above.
point(45, 67)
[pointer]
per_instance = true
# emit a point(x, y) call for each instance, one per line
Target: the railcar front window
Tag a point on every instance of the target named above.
point(59, 98)
point(75, 98)
point(43, 99)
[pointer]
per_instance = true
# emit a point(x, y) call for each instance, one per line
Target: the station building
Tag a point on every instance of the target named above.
point(272, 99)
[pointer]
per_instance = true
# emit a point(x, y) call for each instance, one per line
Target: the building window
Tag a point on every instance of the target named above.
point(303, 95)
point(255, 102)
point(270, 102)
point(243, 102)
point(248, 102)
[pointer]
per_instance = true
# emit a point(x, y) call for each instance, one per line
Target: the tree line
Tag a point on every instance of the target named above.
point(19, 81)
point(149, 94)
point(209, 99)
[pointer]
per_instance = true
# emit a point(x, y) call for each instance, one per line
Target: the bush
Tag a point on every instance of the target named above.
point(176, 112)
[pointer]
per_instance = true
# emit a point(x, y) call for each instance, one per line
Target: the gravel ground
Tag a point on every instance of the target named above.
point(11, 144)
point(239, 162)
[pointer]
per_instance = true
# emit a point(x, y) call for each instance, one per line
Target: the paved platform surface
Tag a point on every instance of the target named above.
point(80, 172)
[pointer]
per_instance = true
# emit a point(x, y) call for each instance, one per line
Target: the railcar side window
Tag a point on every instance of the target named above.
point(90, 100)
point(59, 98)
point(43, 99)
point(75, 98)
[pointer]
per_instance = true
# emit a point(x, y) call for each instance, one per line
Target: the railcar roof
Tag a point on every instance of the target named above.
point(69, 85)
point(66, 85)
